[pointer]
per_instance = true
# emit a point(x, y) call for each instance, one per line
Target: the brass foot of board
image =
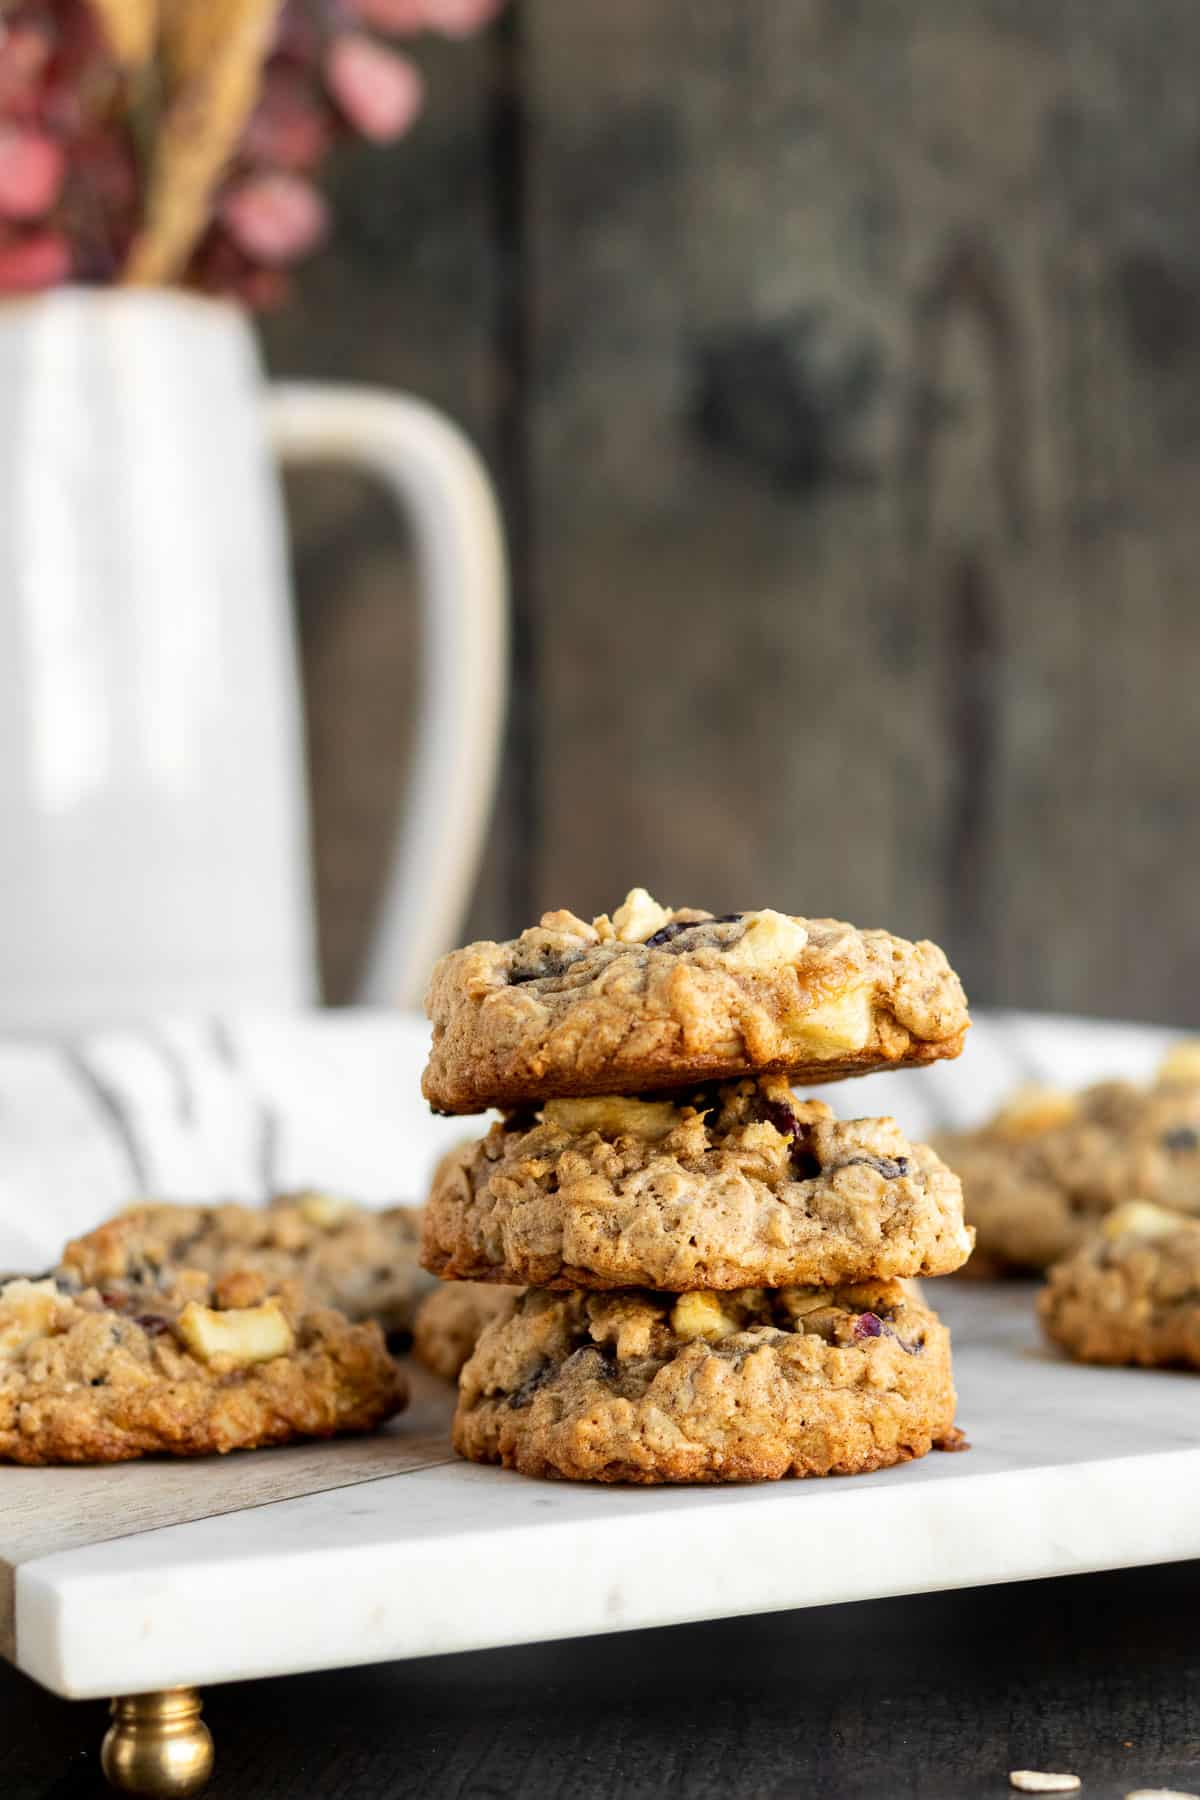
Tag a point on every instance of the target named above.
point(158, 1745)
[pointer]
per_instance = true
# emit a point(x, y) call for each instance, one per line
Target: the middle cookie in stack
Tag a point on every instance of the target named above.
point(717, 1274)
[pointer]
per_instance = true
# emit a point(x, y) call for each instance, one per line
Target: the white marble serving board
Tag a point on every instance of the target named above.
point(1070, 1469)
point(134, 1578)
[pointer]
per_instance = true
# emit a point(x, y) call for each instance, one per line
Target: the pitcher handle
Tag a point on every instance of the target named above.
point(439, 480)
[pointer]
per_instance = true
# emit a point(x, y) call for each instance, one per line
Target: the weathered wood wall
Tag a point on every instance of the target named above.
point(841, 363)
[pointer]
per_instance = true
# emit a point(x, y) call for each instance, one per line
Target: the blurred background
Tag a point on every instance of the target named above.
point(838, 369)
point(839, 366)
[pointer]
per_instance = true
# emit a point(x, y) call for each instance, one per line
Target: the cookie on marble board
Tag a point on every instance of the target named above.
point(181, 1366)
point(1038, 1175)
point(450, 1320)
point(1131, 1292)
point(362, 1262)
point(736, 1185)
point(642, 1387)
point(657, 998)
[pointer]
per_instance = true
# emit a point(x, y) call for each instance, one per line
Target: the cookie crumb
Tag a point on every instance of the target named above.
point(1032, 1781)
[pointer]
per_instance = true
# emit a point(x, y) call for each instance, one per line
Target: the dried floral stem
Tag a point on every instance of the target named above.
point(213, 52)
point(130, 27)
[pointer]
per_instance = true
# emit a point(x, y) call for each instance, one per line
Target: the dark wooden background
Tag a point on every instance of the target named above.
point(839, 362)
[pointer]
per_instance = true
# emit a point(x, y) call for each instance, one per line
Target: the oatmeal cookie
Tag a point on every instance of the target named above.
point(1040, 1174)
point(708, 1387)
point(1131, 1292)
point(735, 1186)
point(450, 1319)
point(363, 1263)
point(183, 1366)
point(657, 998)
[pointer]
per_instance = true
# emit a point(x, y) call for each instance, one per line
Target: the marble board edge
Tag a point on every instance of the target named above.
point(480, 1585)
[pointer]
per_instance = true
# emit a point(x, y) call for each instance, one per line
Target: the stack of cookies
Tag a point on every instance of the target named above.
point(710, 1276)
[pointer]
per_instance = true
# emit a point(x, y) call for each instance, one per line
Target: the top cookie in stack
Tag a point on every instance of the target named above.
point(658, 998)
point(716, 1268)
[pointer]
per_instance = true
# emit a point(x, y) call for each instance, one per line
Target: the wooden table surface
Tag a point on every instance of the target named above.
point(933, 1698)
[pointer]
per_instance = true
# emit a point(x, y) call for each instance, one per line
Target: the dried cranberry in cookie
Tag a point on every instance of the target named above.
point(657, 997)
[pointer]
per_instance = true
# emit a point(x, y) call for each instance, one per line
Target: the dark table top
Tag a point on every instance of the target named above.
point(935, 1697)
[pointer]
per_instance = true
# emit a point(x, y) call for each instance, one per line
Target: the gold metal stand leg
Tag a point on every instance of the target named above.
point(158, 1745)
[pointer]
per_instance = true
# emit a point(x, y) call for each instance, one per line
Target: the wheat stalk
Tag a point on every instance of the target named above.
point(131, 28)
point(212, 53)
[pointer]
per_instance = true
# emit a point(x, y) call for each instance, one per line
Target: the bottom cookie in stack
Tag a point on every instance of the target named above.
point(748, 1384)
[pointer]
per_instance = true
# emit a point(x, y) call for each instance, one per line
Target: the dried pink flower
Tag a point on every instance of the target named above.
point(403, 18)
point(275, 219)
point(379, 92)
point(459, 18)
point(41, 259)
point(31, 173)
point(24, 53)
point(291, 127)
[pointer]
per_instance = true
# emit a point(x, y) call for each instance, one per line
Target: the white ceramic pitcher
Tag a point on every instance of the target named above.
point(154, 843)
